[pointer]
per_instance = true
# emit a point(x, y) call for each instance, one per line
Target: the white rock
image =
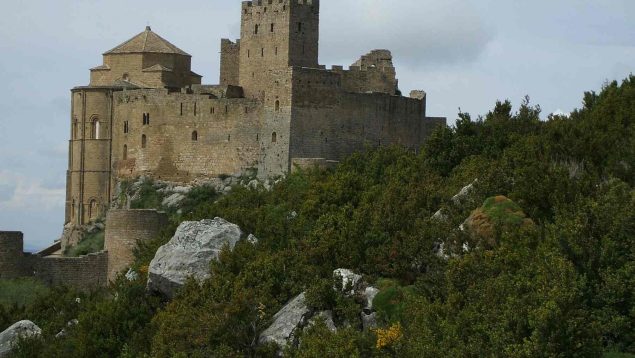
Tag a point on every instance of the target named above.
point(252, 239)
point(369, 320)
point(327, 317)
point(464, 193)
point(286, 323)
point(173, 200)
point(370, 294)
point(349, 279)
point(253, 184)
point(10, 336)
point(189, 253)
point(182, 189)
point(131, 275)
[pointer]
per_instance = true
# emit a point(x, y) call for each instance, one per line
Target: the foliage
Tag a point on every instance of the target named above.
point(21, 292)
point(148, 197)
point(92, 242)
point(562, 286)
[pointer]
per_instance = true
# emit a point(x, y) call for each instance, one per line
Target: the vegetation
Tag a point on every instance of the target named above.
point(20, 292)
point(563, 286)
point(92, 242)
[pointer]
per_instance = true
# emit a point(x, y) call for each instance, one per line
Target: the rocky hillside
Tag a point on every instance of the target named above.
point(391, 254)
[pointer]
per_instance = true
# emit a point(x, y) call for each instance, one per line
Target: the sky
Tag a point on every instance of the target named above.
point(465, 54)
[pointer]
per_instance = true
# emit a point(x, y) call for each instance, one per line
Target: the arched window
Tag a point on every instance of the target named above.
point(194, 136)
point(93, 211)
point(274, 137)
point(73, 210)
point(125, 152)
point(125, 77)
point(277, 105)
point(144, 141)
point(94, 132)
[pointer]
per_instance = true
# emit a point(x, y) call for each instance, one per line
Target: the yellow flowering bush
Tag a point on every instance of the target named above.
point(388, 336)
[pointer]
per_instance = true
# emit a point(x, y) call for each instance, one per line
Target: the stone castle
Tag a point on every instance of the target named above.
point(145, 113)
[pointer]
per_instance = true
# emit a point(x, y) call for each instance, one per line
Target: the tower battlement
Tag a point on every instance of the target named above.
point(263, 3)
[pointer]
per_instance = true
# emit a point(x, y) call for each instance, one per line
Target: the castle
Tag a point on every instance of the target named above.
point(145, 112)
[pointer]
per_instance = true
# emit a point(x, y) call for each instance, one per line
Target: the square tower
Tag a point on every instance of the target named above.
point(276, 34)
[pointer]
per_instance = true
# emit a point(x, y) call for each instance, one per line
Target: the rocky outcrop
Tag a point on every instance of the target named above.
point(286, 323)
point(10, 336)
point(349, 280)
point(189, 253)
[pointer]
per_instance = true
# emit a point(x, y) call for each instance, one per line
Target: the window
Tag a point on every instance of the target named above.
point(229, 138)
point(144, 141)
point(262, 52)
point(94, 132)
point(248, 53)
point(276, 51)
point(299, 27)
point(194, 136)
point(212, 110)
point(194, 108)
point(73, 210)
point(226, 109)
point(125, 152)
point(126, 127)
point(277, 105)
point(181, 108)
point(272, 26)
point(256, 29)
point(274, 137)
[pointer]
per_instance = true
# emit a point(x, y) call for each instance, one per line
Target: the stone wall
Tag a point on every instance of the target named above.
point(188, 135)
point(82, 272)
point(229, 62)
point(12, 262)
point(124, 230)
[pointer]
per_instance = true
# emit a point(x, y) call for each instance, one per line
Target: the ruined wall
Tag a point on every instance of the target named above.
point(229, 62)
point(188, 135)
point(373, 72)
point(82, 272)
point(12, 261)
point(124, 230)
point(328, 122)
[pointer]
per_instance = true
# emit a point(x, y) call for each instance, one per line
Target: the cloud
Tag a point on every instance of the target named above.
point(418, 32)
point(18, 192)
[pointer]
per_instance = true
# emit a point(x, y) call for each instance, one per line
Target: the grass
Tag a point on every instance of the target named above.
point(390, 302)
point(618, 355)
point(502, 210)
point(91, 243)
point(21, 291)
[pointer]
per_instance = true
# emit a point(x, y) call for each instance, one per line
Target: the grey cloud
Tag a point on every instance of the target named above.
point(419, 33)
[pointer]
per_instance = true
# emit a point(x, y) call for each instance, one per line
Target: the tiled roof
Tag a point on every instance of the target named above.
point(147, 42)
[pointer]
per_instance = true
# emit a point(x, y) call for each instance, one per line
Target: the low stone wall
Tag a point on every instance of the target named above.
point(82, 272)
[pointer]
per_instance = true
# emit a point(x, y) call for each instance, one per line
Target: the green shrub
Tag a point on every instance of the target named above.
point(21, 291)
point(91, 243)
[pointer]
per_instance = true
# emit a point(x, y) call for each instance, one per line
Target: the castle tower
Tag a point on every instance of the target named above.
point(145, 61)
point(11, 255)
point(274, 35)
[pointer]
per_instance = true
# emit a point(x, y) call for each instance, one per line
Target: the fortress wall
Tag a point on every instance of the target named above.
point(82, 272)
point(368, 80)
point(124, 230)
point(331, 123)
point(227, 141)
point(12, 261)
point(229, 62)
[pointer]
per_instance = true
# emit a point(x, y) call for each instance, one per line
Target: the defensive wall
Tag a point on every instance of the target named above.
point(124, 230)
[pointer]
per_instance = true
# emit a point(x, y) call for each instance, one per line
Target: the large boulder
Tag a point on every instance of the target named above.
point(349, 280)
point(286, 323)
point(189, 253)
point(10, 336)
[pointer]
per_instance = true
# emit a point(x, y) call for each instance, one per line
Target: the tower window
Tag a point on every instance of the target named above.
point(181, 108)
point(125, 152)
point(95, 128)
point(144, 141)
point(256, 29)
point(299, 27)
point(226, 109)
point(146, 119)
point(277, 105)
point(194, 108)
point(274, 137)
point(194, 136)
point(248, 53)
point(272, 26)
point(75, 127)
point(126, 127)
point(276, 51)
point(262, 52)
point(211, 110)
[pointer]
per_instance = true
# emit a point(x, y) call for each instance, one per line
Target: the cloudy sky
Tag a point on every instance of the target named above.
point(464, 53)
